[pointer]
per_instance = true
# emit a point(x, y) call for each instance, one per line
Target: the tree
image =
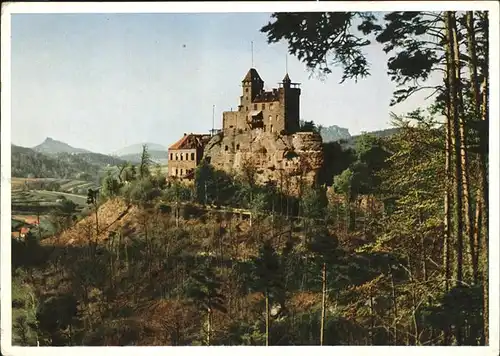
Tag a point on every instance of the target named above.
point(344, 183)
point(204, 174)
point(421, 45)
point(128, 172)
point(204, 289)
point(64, 213)
point(142, 192)
point(315, 37)
point(265, 278)
point(93, 201)
point(25, 329)
point(325, 252)
point(110, 186)
point(144, 166)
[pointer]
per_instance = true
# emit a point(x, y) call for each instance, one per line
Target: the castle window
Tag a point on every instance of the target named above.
point(238, 146)
point(192, 156)
point(246, 108)
point(176, 172)
point(271, 106)
point(171, 156)
point(255, 106)
point(246, 90)
point(226, 148)
point(182, 154)
point(181, 171)
point(264, 128)
point(246, 97)
point(176, 156)
point(263, 106)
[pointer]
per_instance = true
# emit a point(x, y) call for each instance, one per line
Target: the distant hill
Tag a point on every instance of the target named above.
point(28, 163)
point(97, 159)
point(51, 146)
point(351, 142)
point(137, 148)
point(158, 153)
point(160, 157)
point(334, 133)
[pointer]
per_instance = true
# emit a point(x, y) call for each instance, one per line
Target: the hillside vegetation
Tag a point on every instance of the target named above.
point(390, 246)
point(28, 163)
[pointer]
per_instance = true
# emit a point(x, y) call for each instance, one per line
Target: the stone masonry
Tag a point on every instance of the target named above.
point(263, 132)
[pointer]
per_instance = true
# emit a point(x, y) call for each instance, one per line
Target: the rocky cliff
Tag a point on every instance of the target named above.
point(286, 160)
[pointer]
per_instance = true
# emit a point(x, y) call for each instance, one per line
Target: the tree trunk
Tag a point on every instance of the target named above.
point(471, 46)
point(209, 325)
point(454, 113)
point(97, 220)
point(323, 305)
point(267, 318)
point(477, 234)
point(464, 159)
point(395, 307)
point(485, 200)
point(454, 87)
point(447, 237)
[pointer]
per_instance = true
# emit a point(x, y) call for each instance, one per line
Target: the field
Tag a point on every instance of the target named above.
point(61, 185)
point(28, 205)
point(33, 201)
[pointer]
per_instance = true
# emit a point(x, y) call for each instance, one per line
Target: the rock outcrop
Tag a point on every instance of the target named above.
point(286, 160)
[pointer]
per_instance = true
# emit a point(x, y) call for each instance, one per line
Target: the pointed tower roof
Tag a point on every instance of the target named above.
point(287, 79)
point(252, 76)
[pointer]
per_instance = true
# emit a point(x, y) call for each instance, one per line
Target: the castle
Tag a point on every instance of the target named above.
point(272, 111)
point(264, 131)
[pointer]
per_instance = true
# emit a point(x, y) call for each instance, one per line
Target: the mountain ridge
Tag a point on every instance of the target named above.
point(137, 148)
point(51, 146)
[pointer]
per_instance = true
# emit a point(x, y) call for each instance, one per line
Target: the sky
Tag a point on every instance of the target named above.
point(106, 81)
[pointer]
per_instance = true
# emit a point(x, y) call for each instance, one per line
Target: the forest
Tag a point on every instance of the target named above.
point(390, 247)
point(28, 163)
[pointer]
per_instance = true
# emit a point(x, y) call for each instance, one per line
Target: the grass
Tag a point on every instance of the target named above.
point(42, 202)
point(66, 185)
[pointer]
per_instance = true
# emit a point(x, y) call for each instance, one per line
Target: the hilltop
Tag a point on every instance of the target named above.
point(137, 148)
point(334, 133)
point(132, 153)
point(51, 146)
point(156, 156)
point(27, 162)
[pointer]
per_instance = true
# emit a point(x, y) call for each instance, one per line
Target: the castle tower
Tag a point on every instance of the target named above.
point(252, 86)
point(290, 97)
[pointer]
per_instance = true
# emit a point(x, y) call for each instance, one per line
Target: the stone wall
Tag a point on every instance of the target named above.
point(284, 159)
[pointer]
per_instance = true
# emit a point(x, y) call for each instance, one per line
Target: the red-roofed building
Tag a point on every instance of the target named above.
point(24, 231)
point(185, 154)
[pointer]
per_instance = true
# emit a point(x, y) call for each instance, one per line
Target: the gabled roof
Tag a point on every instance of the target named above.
point(287, 79)
point(187, 142)
point(252, 76)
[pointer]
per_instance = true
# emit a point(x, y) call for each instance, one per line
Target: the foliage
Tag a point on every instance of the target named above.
point(380, 256)
point(313, 37)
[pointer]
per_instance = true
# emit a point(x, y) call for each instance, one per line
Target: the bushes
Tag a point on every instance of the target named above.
point(140, 192)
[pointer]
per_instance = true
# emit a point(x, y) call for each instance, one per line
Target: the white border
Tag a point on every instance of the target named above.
point(192, 7)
